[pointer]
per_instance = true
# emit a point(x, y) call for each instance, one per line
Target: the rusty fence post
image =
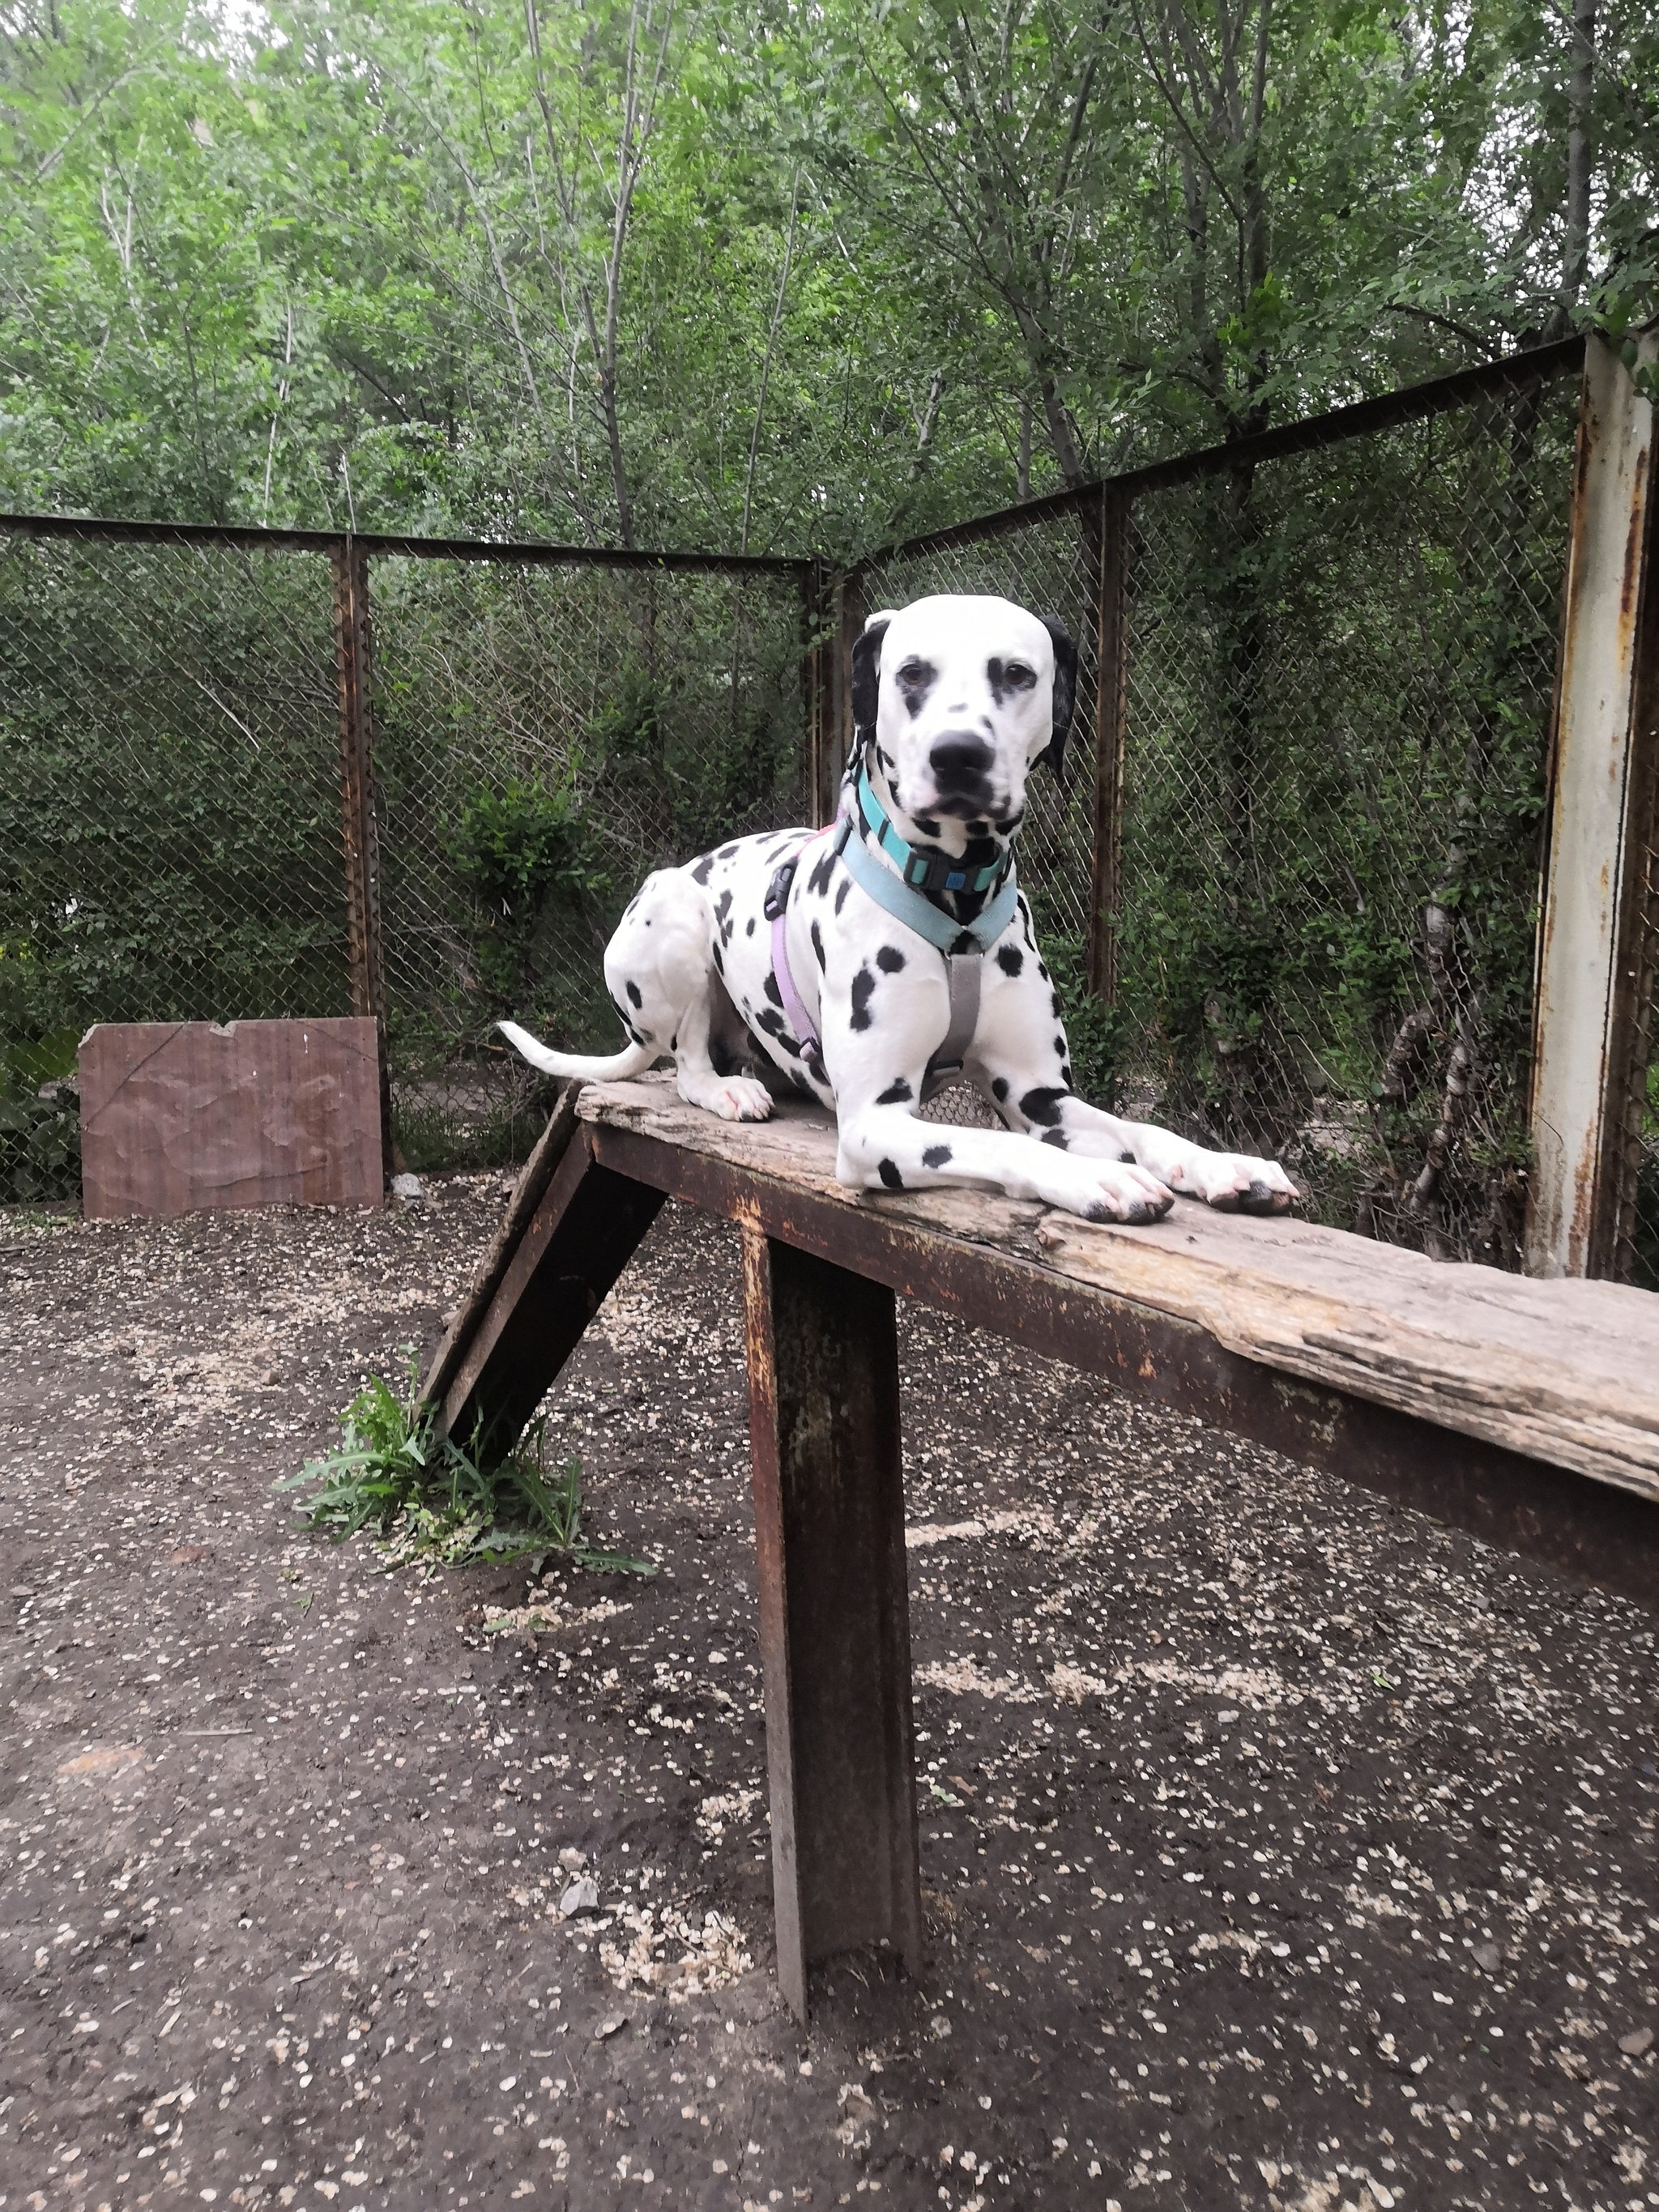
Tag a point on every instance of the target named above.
point(1111, 714)
point(818, 618)
point(1600, 895)
point(823, 1412)
point(848, 608)
point(353, 666)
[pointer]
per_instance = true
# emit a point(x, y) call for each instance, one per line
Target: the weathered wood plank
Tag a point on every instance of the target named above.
point(824, 1394)
point(1564, 1372)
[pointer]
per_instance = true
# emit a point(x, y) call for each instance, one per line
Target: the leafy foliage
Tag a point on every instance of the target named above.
point(517, 852)
point(426, 1501)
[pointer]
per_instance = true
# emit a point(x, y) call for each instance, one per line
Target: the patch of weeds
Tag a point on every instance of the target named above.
point(423, 1499)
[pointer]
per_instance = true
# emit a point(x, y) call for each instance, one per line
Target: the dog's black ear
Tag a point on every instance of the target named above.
point(1065, 696)
point(866, 671)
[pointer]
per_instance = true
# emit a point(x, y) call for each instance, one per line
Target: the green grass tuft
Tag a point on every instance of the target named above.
point(424, 1500)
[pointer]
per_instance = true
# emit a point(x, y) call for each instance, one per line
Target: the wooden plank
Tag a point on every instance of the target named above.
point(583, 1232)
point(824, 1390)
point(1563, 1372)
point(181, 1117)
point(527, 1194)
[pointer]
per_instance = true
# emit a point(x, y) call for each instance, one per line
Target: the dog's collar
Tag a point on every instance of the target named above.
point(906, 904)
point(924, 872)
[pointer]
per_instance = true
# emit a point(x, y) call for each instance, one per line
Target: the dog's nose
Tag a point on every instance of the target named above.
point(960, 760)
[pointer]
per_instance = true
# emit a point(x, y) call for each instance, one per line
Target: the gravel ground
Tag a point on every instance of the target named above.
point(1280, 1849)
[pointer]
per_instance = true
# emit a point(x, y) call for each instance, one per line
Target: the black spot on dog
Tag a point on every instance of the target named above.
point(1066, 1074)
point(772, 1022)
point(720, 963)
point(772, 990)
point(885, 758)
point(1003, 678)
point(823, 869)
point(635, 995)
point(964, 942)
point(1042, 971)
point(1007, 824)
point(726, 852)
point(897, 1093)
point(928, 825)
point(1058, 1138)
point(890, 1175)
point(1043, 1106)
point(1054, 1004)
point(1060, 1046)
point(1000, 1089)
point(840, 895)
point(722, 915)
point(936, 1156)
point(704, 868)
point(890, 959)
point(817, 945)
point(749, 926)
point(1010, 959)
point(1126, 1159)
point(674, 1042)
point(864, 984)
point(915, 679)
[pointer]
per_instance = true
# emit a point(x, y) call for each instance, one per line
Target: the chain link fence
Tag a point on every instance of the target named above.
point(542, 730)
point(1288, 888)
point(1332, 720)
point(542, 736)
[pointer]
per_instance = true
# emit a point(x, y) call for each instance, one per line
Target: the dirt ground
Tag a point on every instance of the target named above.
point(1280, 1849)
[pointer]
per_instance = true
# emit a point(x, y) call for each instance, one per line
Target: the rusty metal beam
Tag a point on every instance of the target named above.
point(1111, 718)
point(824, 1400)
point(527, 553)
point(1589, 1042)
point(1585, 1529)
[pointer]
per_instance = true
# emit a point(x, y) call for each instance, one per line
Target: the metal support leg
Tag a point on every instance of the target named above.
point(834, 1608)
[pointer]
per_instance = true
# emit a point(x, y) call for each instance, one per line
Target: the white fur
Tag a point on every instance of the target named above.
point(690, 968)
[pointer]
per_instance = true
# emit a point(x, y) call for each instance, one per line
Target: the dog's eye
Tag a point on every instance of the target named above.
point(915, 671)
point(1018, 676)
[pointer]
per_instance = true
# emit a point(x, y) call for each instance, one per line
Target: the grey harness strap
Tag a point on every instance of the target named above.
point(945, 1067)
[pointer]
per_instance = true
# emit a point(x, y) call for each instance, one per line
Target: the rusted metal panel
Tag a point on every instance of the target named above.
point(1600, 807)
point(1111, 720)
point(580, 1237)
point(182, 1117)
point(834, 1608)
point(1589, 1529)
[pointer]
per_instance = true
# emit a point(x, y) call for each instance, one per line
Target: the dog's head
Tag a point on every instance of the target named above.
point(963, 695)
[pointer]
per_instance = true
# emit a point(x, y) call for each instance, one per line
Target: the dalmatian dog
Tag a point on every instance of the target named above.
point(842, 984)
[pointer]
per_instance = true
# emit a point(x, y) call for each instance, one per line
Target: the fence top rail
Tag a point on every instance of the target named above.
point(529, 553)
point(1411, 403)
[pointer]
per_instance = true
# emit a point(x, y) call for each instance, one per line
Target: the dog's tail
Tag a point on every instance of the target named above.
point(633, 1060)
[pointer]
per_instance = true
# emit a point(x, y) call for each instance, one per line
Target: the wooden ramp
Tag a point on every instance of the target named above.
point(1525, 1412)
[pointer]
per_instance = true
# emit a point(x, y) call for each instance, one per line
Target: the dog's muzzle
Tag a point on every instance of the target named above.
point(960, 763)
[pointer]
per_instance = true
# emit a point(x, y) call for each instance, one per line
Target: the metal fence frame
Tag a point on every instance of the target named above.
point(1599, 950)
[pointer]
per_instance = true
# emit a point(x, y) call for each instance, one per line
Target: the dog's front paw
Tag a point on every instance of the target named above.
point(740, 1098)
point(1104, 1190)
point(1234, 1182)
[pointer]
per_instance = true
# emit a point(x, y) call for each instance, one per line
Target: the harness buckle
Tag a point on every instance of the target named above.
point(777, 891)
